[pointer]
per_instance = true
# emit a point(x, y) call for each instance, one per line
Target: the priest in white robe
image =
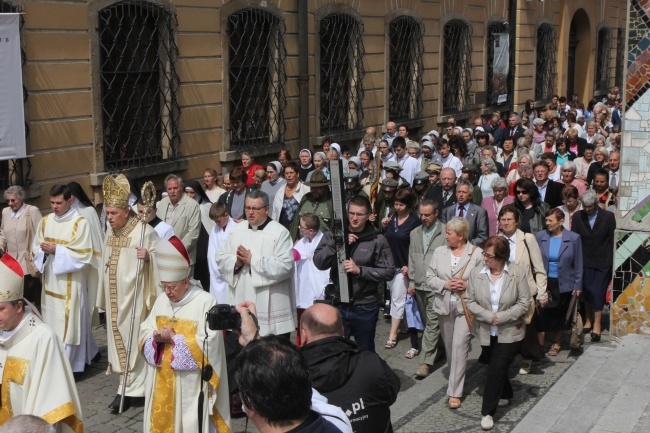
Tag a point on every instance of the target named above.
point(173, 343)
point(65, 256)
point(257, 262)
point(29, 352)
point(121, 254)
point(224, 224)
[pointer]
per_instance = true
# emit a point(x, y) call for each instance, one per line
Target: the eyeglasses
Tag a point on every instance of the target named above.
point(488, 256)
point(170, 286)
point(522, 192)
point(253, 208)
point(357, 214)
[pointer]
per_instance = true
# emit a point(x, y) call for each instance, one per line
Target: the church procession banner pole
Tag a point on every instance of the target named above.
point(341, 232)
point(148, 198)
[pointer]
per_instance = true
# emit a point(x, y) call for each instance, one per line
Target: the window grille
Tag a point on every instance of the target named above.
point(457, 66)
point(257, 78)
point(620, 57)
point(492, 95)
point(16, 171)
point(546, 58)
point(341, 73)
point(602, 59)
point(406, 66)
point(139, 84)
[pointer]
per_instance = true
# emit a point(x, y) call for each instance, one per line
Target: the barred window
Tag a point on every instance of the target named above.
point(406, 66)
point(341, 73)
point(139, 84)
point(257, 78)
point(457, 66)
point(16, 171)
point(602, 59)
point(496, 84)
point(545, 67)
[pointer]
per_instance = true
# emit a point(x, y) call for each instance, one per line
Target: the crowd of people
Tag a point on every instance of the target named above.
point(485, 231)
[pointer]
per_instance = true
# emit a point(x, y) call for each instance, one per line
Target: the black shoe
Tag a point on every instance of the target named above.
point(96, 358)
point(115, 405)
point(137, 401)
point(586, 331)
point(595, 338)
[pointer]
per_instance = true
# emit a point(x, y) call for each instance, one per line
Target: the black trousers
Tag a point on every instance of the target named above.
point(498, 385)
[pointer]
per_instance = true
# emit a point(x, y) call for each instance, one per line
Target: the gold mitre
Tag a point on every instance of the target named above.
point(116, 191)
point(12, 277)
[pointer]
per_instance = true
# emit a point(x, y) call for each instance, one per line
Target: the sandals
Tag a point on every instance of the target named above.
point(412, 353)
point(554, 350)
point(454, 403)
point(390, 344)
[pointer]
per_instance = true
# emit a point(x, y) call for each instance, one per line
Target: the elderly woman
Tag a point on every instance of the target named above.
point(582, 163)
point(513, 176)
point(447, 277)
point(529, 203)
point(212, 190)
point(320, 163)
point(601, 160)
point(570, 198)
point(524, 251)
point(274, 180)
point(398, 235)
point(498, 296)
point(17, 230)
point(249, 166)
point(562, 256)
point(493, 205)
point(488, 175)
point(539, 133)
point(177, 351)
point(592, 132)
point(306, 165)
point(596, 227)
point(568, 177)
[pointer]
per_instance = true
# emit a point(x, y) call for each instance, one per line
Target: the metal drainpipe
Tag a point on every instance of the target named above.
point(512, 19)
point(303, 75)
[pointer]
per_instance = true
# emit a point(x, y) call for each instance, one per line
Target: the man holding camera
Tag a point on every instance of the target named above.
point(184, 357)
point(370, 263)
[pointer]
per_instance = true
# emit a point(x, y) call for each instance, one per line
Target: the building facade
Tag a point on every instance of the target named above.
point(150, 87)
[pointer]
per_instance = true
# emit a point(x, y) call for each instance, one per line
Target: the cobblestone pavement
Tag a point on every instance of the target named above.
point(421, 406)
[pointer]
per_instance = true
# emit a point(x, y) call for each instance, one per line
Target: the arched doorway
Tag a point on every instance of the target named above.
point(579, 74)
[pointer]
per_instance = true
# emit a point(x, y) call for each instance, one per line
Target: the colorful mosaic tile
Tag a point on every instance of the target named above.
point(638, 59)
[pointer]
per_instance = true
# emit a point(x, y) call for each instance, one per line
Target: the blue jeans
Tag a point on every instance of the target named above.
point(360, 321)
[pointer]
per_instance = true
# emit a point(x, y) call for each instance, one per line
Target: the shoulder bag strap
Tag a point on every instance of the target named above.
point(462, 271)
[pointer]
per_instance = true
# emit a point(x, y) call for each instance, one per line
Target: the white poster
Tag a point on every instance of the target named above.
point(12, 109)
point(500, 67)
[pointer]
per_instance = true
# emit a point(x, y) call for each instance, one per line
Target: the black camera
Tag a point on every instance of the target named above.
point(223, 316)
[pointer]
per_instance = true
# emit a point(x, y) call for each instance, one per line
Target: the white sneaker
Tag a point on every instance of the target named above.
point(503, 402)
point(487, 423)
point(524, 367)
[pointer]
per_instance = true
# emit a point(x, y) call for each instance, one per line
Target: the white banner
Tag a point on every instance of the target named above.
point(500, 68)
point(12, 109)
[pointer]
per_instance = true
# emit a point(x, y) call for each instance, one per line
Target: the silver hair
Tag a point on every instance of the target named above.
point(538, 121)
point(460, 226)
point(259, 194)
point(27, 423)
point(589, 198)
point(569, 166)
point(465, 182)
point(174, 176)
point(369, 137)
point(499, 183)
point(489, 163)
point(515, 115)
point(15, 190)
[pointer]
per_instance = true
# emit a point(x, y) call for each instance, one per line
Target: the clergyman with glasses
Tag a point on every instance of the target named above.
point(257, 262)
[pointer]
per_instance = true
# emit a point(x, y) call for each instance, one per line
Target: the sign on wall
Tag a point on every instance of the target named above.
point(12, 111)
point(500, 67)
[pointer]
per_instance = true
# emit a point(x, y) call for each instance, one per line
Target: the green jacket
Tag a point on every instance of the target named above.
point(323, 209)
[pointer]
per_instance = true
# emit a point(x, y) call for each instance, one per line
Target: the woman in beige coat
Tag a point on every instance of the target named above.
point(19, 224)
point(447, 277)
point(498, 296)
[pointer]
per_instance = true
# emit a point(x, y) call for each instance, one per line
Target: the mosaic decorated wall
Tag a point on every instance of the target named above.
point(630, 312)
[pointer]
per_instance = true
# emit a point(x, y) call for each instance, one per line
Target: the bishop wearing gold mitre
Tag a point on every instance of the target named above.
point(30, 351)
point(124, 246)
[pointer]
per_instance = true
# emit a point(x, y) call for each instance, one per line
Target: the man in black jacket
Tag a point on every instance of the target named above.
point(370, 263)
point(358, 381)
